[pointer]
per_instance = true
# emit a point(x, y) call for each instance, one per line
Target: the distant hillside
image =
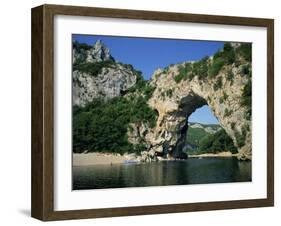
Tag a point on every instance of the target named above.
point(197, 131)
point(203, 138)
point(115, 110)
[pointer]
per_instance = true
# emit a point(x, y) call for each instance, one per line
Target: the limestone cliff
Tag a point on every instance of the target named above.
point(90, 54)
point(175, 99)
point(97, 74)
point(222, 81)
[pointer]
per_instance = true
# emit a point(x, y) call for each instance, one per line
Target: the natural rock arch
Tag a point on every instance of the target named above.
point(175, 102)
point(180, 89)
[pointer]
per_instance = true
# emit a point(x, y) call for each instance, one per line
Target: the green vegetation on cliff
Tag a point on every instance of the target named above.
point(142, 86)
point(81, 46)
point(102, 124)
point(246, 99)
point(241, 137)
point(210, 68)
point(200, 68)
point(245, 51)
point(94, 68)
point(184, 72)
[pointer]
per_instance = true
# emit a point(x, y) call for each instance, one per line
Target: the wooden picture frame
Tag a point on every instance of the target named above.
point(43, 108)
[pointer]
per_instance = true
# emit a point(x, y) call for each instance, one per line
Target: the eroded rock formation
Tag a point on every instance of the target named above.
point(179, 91)
point(90, 54)
point(97, 74)
point(175, 102)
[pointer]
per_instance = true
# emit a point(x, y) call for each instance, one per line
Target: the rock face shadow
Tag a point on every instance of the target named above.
point(221, 81)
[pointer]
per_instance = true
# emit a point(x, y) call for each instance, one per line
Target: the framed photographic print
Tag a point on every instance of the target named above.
point(141, 112)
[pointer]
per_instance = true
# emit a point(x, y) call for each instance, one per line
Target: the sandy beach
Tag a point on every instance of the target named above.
point(97, 159)
point(220, 154)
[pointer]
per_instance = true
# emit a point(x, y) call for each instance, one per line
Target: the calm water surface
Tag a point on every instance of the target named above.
point(191, 171)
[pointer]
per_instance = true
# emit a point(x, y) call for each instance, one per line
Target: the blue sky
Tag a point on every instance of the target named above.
point(148, 54)
point(203, 115)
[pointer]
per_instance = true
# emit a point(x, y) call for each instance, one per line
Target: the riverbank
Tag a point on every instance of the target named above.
point(208, 155)
point(96, 158)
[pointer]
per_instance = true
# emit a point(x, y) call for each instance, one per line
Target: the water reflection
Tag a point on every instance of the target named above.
point(191, 171)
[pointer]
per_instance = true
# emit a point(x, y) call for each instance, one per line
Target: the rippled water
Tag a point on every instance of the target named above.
point(191, 171)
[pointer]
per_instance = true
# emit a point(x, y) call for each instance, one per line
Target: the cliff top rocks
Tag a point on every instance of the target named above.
point(222, 81)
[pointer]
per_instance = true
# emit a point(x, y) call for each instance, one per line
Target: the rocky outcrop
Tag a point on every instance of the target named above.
point(91, 54)
point(111, 79)
point(179, 91)
point(186, 96)
point(109, 83)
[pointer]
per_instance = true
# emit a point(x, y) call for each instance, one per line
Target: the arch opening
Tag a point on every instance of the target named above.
point(202, 134)
point(202, 125)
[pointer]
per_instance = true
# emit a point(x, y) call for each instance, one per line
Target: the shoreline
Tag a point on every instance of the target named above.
point(97, 158)
point(209, 155)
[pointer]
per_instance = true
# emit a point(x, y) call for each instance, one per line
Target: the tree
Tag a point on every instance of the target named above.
point(217, 142)
point(102, 125)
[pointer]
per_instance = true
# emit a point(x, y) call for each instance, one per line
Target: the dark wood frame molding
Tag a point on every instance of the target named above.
point(42, 203)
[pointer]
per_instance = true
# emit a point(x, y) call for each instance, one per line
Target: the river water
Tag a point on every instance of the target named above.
point(191, 171)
